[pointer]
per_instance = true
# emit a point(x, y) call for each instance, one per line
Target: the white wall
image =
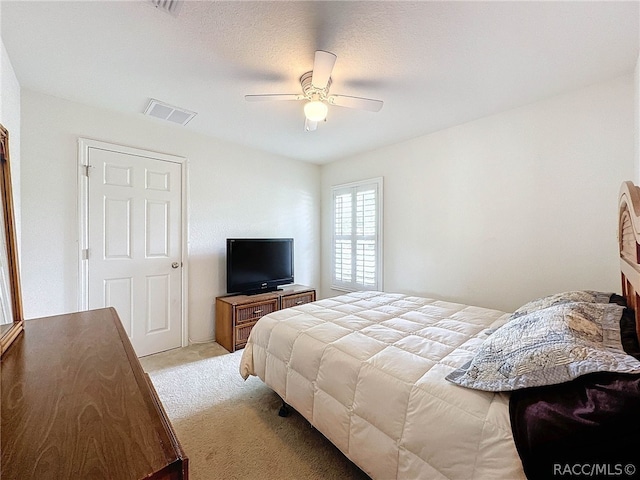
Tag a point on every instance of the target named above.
point(636, 76)
point(506, 208)
point(10, 119)
point(492, 212)
point(233, 192)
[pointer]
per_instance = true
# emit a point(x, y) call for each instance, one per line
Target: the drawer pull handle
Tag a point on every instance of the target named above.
point(257, 312)
point(299, 302)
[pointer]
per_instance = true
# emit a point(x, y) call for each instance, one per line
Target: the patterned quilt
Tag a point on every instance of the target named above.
point(368, 370)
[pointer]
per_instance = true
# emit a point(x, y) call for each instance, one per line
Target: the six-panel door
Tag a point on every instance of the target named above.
point(135, 245)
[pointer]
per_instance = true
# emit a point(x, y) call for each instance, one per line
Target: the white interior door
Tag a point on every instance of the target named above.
point(134, 244)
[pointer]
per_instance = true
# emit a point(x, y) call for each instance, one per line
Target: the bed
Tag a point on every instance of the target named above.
point(410, 387)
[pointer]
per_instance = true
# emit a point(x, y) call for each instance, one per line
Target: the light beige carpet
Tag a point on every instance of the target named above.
point(230, 429)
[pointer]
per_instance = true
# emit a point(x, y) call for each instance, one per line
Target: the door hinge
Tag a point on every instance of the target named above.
point(85, 254)
point(86, 170)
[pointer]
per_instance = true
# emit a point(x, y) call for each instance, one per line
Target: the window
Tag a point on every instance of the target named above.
point(357, 236)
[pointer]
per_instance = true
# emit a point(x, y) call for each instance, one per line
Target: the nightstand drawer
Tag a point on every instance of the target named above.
point(237, 314)
point(299, 299)
point(242, 334)
point(253, 312)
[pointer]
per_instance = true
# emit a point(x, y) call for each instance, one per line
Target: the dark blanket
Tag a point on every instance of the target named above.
point(587, 428)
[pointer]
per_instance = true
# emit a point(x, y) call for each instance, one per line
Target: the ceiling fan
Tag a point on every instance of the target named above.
point(315, 90)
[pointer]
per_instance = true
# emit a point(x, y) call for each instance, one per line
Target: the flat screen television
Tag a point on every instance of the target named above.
point(256, 265)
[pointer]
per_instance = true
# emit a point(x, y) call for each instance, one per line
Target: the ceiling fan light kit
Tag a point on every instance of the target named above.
point(315, 89)
point(316, 111)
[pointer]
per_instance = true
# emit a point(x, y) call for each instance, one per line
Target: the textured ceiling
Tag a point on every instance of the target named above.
point(435, 64)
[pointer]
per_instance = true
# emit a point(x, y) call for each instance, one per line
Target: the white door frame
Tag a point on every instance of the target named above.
point(83, 215)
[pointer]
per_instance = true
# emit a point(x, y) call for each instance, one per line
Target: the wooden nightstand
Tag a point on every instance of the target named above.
point(237, 314)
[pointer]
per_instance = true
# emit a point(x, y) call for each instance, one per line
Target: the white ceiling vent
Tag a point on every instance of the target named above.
point(168, 112)
point(170, 6)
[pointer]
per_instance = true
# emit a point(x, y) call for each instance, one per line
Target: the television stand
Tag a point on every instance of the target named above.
point(237, 314)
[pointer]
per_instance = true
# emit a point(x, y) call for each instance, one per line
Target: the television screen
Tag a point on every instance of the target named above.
point(257, 265)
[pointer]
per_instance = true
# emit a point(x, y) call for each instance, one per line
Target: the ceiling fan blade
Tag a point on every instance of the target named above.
point(322, 68)
point(310, 126)
point(273, 96)
point(356, 102)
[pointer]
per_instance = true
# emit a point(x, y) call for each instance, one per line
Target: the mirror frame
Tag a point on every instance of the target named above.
point(8, 335)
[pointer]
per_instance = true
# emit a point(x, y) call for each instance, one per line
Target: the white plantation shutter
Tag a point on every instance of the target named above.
point(357, 236)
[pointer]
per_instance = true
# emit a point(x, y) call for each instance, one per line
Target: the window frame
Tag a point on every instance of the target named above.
point(354, 187)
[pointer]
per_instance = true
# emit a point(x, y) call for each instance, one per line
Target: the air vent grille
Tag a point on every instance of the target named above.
point(170, 6)
point(168, 112)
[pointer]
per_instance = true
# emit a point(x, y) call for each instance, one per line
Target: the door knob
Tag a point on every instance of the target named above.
point(175, 265)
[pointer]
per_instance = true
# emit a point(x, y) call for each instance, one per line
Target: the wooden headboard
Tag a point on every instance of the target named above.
point(629, 244)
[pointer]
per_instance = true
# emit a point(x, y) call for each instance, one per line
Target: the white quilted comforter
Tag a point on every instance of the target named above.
point(367, 370)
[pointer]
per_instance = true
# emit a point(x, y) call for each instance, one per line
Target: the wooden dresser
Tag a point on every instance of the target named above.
point(237, 314)
point(76, 404)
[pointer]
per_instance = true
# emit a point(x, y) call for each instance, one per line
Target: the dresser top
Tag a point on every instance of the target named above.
point(77, 404)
